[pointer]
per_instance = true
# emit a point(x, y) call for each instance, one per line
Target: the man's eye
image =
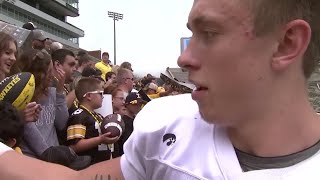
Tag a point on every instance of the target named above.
point(209, 34)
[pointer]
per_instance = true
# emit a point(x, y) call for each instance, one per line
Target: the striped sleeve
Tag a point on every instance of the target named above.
point(77, 131)
point(76, 128)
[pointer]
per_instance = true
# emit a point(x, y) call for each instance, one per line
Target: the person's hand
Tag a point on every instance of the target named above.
point(174, 93)
point(106, 139)
point(60, 76)
point(31, 112)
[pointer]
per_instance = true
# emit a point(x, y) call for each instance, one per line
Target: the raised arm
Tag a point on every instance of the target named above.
point(62, 114)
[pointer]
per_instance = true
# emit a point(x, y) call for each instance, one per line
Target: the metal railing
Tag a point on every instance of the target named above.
point(73, 3)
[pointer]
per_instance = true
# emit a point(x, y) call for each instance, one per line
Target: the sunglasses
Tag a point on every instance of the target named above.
point(94, 92)
point(132, 79)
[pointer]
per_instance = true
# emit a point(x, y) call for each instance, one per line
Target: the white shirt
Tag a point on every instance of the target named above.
point(4, 148)
point(200, 150)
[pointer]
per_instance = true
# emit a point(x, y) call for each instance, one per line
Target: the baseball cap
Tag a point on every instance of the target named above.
point(29, 26)
point(144, 96)
point(65, 156)
point(38, 35)
point(134, 98)
point(149, 76)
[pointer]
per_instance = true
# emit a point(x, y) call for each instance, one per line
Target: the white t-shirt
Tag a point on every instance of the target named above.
point(4, 148)
point(171, 141)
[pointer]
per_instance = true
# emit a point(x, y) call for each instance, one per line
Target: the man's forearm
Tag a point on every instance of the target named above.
point(86, 144)
point(14, 166)
point(106, 170)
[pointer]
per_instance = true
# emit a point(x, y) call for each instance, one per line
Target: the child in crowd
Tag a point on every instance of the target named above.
point(84, 133)
point(11, 126)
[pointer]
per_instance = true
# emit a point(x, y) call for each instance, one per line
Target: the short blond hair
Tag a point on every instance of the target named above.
point(271, 14)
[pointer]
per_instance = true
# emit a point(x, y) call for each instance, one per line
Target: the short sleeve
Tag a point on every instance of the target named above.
point(144, 145)
point(4, 148)
point(76, 129)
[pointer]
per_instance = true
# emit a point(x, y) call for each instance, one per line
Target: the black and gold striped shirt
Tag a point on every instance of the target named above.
point(83, 125)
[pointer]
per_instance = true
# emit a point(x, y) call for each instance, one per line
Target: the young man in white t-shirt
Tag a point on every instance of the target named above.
point(250, 117)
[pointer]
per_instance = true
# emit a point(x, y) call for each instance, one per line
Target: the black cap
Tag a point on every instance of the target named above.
point(65, 156)
point(39, 35)
point(29, 26)
point(134, 98)
point(144, 95)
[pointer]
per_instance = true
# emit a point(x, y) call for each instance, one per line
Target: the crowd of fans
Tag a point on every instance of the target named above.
point(60, 125)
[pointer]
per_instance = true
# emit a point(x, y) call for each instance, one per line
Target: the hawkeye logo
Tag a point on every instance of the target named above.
point(169, 138)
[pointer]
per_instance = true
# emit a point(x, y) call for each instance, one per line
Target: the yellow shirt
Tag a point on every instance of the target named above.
point(104, 68)
point(154, 96)
point(160, 90)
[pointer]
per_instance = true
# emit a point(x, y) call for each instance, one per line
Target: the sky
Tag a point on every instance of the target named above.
point(148, 36)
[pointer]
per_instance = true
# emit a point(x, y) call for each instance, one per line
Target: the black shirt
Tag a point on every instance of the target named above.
point(128, 129)
point(83, 125)
point(250, 162)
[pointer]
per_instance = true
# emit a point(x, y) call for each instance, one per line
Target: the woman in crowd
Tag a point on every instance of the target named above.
point(8, 56)
point(41, 135)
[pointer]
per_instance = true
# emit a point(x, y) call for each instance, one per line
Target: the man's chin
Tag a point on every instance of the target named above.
point(207, 117)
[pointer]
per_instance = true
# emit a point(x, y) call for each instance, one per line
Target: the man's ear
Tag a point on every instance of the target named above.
point(56, 64)
point(293, 43)
point(11, 142)
point(88, 97)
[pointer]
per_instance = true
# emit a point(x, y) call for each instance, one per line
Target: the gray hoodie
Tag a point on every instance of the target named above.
point(40, 135)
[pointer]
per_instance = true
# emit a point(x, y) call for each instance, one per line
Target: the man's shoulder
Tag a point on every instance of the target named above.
point(308, 167)
point(79, 116)
point(166, 133)
point(98, 64)
point(172, 105)
point(181, 101)
point(165, 111)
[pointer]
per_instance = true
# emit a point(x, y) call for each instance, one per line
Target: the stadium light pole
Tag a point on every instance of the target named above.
point(116, 17)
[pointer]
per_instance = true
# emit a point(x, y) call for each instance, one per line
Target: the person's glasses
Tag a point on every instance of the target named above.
point(130, 79)
point(94, 92)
